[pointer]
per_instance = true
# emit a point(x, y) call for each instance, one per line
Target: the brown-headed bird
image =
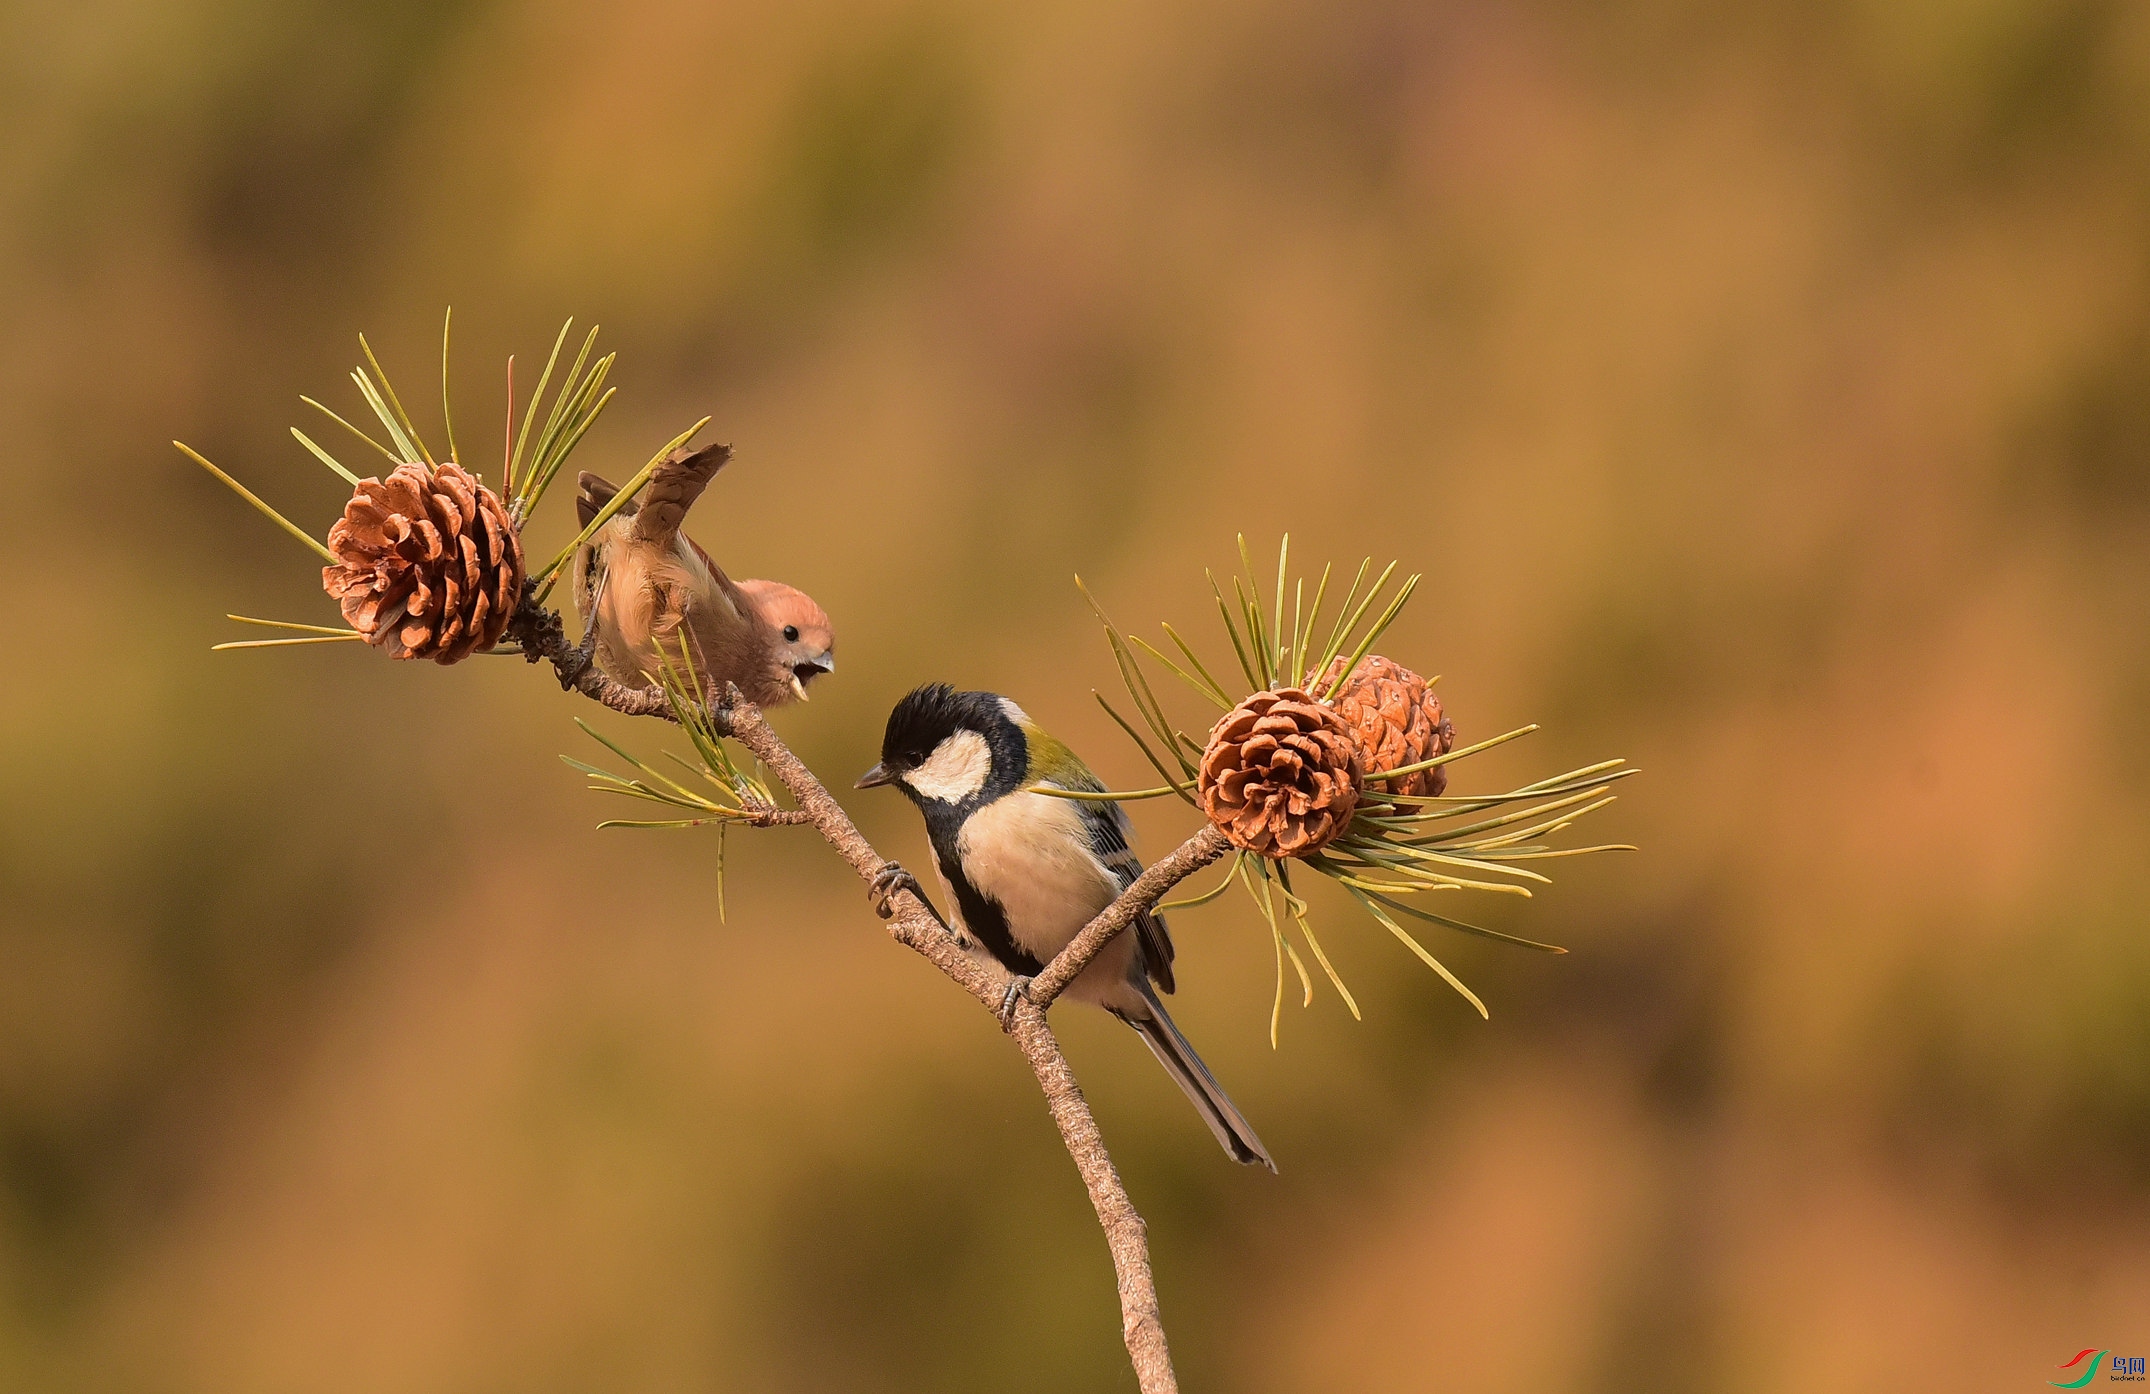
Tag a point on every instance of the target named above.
point(641, 582)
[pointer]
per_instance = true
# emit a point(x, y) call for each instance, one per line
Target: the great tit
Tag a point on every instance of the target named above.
point(1025, 872)
point(641, 583)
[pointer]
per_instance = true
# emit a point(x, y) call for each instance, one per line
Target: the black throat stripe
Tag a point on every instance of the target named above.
point(983, 918)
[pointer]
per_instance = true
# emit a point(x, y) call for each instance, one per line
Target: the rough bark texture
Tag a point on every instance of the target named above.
point(1126, 1235)
point(539, 634)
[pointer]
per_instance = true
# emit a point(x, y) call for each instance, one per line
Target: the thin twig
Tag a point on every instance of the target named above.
point(541, 636)
point(1126, 1235)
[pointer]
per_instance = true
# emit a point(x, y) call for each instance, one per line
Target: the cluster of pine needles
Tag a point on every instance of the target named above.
point(531, 459)
point(1399, 850)
point(532, 456)
point(733, 793)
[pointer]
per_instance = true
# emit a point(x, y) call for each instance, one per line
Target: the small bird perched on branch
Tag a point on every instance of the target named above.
point(1025, 872)
point(640, 581)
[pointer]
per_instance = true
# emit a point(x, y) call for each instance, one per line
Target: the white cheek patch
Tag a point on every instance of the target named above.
point(956, 769)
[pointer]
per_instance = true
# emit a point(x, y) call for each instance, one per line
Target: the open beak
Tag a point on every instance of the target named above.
point(803, 673)
point(876, 777)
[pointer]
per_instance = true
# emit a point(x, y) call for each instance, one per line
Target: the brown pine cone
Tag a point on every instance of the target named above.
point(1280, 776)
point(431, 567)
point(1397, 718)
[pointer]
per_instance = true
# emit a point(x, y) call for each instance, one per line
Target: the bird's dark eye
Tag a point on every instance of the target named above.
point(791, 634)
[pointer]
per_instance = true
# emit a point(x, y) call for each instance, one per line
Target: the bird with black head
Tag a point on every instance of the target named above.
point(1024, 871)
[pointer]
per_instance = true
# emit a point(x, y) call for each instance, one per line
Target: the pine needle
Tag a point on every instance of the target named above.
point(386, 453)
point(1053, 791)
point(515, 463)
point(1209, 895)
point(271, 514)
point(1454, 755)
point(410, 428)
point(1298, 910)
point(1419, 949)
point(447, 412)
point(293, 624)
point(325, 458)
point(285, 643)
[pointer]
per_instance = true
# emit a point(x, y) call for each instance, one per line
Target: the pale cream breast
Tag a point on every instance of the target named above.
point(1030, 855)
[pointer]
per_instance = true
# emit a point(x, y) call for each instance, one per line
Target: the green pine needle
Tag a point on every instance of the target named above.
point(515, 463)
point(285, 643)
point(386, 453)
point(293, 624)
point(1419, 949)
point(325, 458)
point(410, 429)
point(1230, 870)
point(447, 411)
point(1115, 796)
point(319, 547)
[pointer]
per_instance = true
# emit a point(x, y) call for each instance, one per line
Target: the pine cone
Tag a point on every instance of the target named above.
point(1397, 718)
point(431, 567)
point(1281, 774)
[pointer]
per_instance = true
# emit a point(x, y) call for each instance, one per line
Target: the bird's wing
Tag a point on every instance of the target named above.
point(742, 604)
point(673, 487)
point(593, 492)
point(1110, 842)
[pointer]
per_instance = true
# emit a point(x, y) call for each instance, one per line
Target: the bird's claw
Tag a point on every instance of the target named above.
point(890, 879)
point(1018, 991)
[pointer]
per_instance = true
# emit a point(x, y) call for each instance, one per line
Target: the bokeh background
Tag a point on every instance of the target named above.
point(1764, 391)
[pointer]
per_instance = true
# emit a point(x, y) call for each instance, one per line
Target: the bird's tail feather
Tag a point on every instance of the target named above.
point(1200, 1086)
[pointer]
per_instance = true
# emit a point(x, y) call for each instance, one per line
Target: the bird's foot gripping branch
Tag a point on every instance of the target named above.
point(1331, 757)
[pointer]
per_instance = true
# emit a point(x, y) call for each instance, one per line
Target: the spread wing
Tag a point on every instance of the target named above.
point(673, 487)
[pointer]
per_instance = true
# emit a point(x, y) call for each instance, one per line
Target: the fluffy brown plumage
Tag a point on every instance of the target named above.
point(641, 582)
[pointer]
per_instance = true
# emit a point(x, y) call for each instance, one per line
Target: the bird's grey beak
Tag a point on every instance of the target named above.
point(876, 777)
point(803, 673)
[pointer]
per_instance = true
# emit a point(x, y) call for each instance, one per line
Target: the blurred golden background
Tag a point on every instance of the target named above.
point(1765, 392)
